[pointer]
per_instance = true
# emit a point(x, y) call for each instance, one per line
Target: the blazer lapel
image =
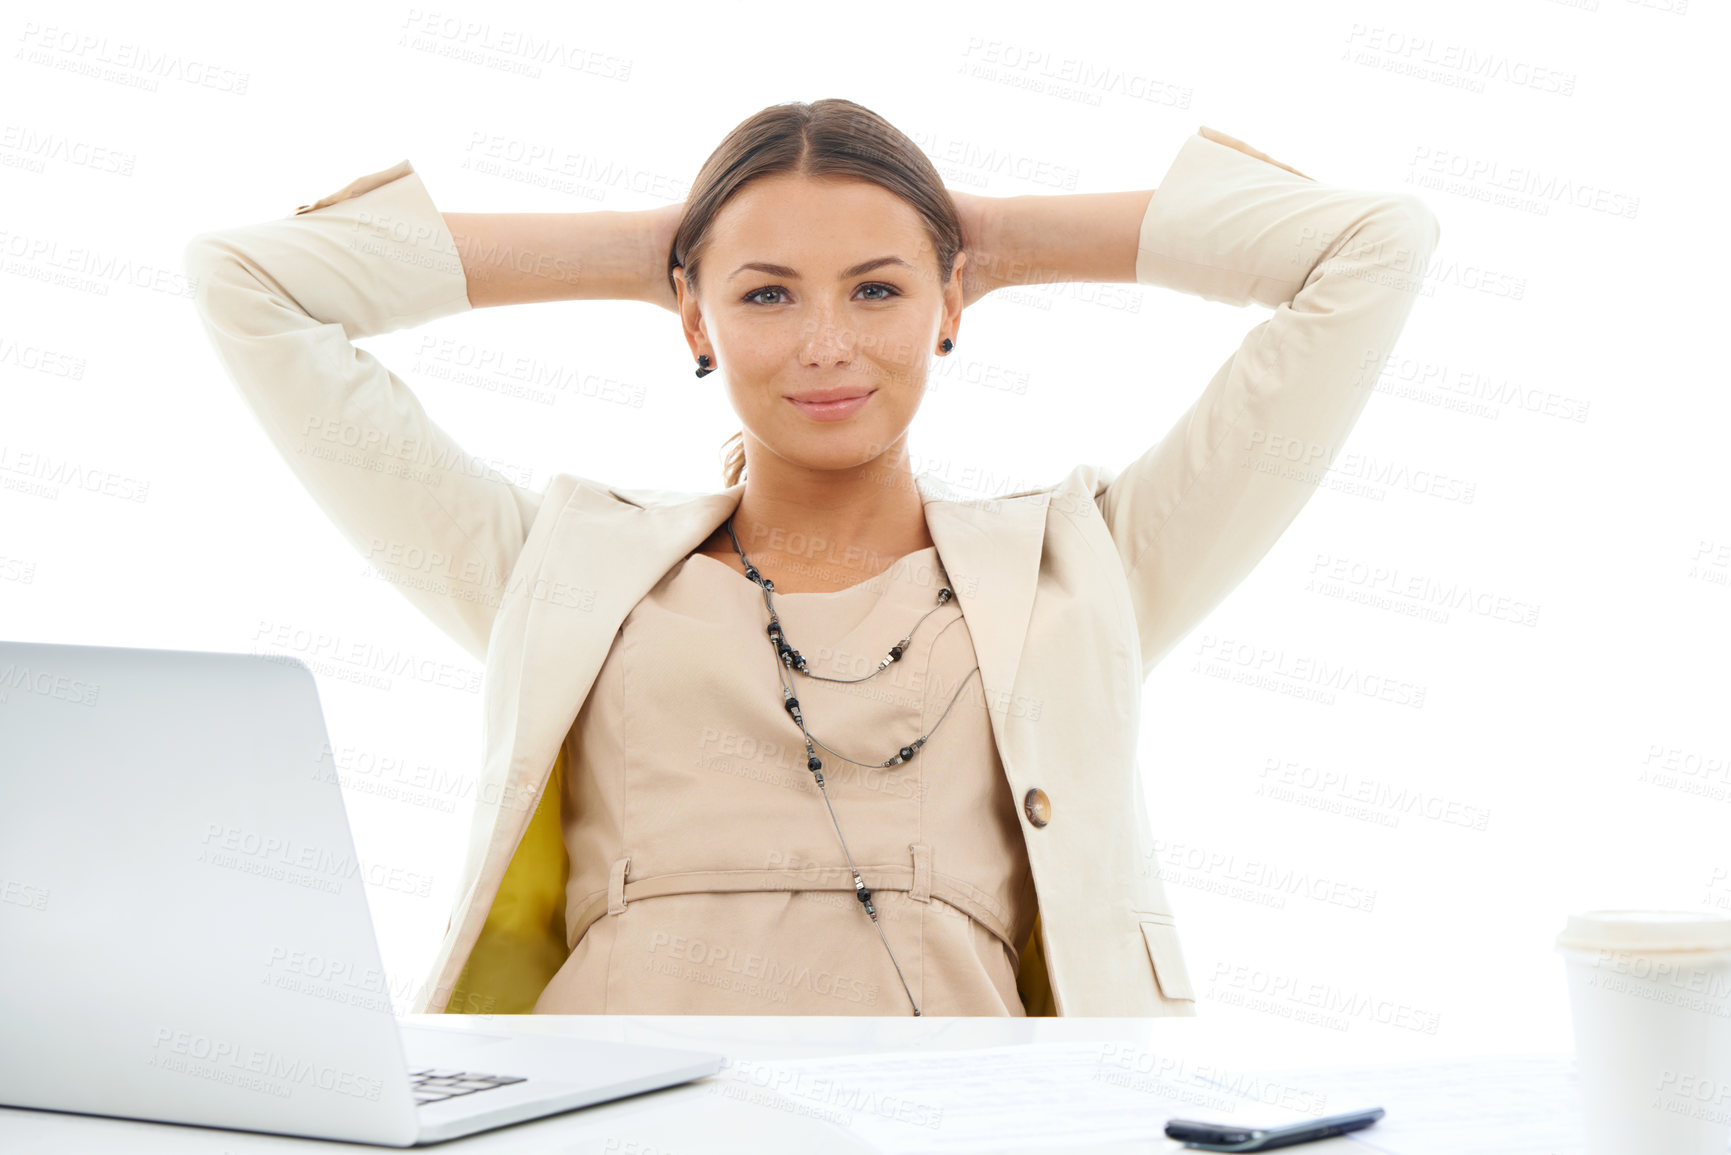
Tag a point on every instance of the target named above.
point(607, 553)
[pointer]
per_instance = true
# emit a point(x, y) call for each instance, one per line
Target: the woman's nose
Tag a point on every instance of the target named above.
point(827, 339)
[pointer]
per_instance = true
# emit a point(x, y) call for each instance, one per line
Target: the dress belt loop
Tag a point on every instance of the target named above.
point(616, 887)
point(921, 891)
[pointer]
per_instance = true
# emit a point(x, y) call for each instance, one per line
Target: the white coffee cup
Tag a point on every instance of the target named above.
point(1650, 993)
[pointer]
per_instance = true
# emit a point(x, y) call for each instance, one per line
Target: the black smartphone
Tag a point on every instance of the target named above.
point(1227, 1137)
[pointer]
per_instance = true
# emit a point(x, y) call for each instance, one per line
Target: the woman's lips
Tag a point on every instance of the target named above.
point(832, 410)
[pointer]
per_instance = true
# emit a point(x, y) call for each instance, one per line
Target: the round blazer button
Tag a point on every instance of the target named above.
point(1039, 808)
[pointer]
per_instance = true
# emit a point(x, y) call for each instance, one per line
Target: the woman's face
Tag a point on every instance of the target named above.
point(820, 283)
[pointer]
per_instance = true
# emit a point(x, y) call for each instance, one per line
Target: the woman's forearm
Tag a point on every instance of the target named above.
point(520, 258)
point(1031, 240)
point(1075, 237)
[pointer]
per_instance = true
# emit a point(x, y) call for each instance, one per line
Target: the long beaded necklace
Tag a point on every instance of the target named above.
point(792, 659)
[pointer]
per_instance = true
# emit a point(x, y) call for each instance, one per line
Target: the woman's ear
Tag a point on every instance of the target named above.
point(690, 315)
point(955, 295)
point(681, 287)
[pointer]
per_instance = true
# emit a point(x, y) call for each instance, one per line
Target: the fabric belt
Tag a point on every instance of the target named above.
point(918, 879)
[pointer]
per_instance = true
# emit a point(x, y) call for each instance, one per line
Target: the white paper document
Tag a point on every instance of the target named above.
point(1034, 1095)
point(1489, 1105)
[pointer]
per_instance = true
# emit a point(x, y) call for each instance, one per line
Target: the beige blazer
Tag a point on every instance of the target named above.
point(1072, 592)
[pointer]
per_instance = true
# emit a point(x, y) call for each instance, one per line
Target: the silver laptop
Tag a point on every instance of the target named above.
point(184, 934)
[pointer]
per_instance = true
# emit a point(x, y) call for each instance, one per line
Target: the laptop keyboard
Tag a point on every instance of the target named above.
point(436, 1084)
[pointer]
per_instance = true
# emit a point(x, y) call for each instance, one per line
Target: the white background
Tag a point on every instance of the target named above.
point(1544, 461)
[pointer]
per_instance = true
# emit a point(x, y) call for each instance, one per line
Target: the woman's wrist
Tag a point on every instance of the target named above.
point(659, 225)
point(981, 272)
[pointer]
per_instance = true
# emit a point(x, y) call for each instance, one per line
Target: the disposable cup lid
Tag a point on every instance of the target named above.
point(1647, 930)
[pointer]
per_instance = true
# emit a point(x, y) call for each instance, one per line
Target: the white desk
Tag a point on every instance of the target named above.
point(696, 1119)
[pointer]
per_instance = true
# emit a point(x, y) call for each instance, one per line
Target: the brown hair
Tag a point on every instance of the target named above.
point(823, 138)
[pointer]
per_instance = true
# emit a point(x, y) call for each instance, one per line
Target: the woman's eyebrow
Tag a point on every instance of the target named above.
point(784, 271)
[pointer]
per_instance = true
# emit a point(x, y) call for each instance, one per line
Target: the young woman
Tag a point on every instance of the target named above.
point(833, 739)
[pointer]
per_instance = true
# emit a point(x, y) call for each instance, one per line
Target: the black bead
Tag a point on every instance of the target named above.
point(907, 753)
point(792, 705)
point(814, 763)
point(863, 895)
point(895, 653)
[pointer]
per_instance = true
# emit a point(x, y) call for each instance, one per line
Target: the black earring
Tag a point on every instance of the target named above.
point(703, 360)
point(946, 344)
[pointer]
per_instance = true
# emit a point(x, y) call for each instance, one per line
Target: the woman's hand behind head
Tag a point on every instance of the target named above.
point(977, 215)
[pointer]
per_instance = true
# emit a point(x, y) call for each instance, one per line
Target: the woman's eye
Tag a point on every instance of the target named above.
point(754, 297)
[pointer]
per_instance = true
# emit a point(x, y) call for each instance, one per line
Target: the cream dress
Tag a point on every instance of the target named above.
point(706, 873)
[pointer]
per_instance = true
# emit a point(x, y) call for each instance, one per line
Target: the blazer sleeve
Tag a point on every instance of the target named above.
point(282, 301)
point(1341, 269)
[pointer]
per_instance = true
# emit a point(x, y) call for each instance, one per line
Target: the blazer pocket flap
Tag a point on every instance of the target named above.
point(1168, 958)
